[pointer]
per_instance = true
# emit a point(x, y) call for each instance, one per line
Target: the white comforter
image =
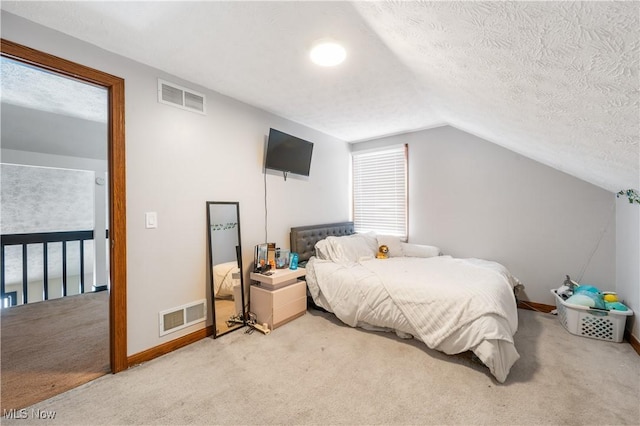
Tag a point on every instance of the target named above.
point(223, 280)
point(452, 305)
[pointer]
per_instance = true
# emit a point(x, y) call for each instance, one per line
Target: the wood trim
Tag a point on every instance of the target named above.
point(165, 348)
point(633, 340)
point(533, 306)
point(117, 182)
point(118, 226)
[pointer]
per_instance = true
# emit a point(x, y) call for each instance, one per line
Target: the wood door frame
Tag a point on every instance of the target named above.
point(117, 185)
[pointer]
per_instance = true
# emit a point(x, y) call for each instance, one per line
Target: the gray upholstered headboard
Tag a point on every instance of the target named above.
point(304, 238)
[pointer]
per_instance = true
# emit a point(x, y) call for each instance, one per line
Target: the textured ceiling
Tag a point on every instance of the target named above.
point(555, 81)
point(48, 113)
point(29, 87)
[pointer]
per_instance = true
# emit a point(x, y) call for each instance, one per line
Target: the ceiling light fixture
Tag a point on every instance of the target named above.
point(327, 53)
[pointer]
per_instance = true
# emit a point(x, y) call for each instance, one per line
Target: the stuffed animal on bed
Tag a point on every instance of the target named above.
point(383, 252)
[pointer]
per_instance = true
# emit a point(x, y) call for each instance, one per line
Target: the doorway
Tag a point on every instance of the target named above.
point(115, 184)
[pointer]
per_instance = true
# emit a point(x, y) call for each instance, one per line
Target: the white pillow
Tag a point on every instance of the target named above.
point(322, 250)
point(371, 240)
point(393, 242)
point(351, 248)
point(419, 250)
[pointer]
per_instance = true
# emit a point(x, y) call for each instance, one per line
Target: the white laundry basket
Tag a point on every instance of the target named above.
point(594, 323)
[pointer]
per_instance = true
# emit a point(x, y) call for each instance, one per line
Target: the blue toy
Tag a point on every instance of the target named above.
point(589, 296)
point(585, 288)
point(615, 306)
point(588, 291)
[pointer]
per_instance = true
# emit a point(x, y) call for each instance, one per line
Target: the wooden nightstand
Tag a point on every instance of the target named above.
point(278, 298)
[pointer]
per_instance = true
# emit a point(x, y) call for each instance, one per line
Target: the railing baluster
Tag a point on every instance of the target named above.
point(2, 278)
point(42, 238)
point(25, 295)
point(45, 271)
point(81, 266)
point(64, 268)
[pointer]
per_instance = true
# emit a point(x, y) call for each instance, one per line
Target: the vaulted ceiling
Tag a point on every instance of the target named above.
point(555, 81)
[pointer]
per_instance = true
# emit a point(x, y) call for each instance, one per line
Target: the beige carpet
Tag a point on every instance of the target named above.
point(53, 346)
point(316, 371)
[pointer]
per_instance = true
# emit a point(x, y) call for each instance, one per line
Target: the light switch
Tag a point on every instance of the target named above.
point(151, 220)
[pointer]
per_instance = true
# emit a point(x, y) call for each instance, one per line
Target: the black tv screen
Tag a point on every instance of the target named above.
point(288, 153)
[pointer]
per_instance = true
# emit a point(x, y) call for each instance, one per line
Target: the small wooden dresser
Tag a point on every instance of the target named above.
point(278, 298)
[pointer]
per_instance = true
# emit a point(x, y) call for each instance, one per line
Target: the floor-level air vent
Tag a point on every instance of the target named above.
point(183, 316)
point(181, 97)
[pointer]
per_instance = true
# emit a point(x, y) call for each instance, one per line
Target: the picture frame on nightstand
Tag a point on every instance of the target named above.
point(263, 255)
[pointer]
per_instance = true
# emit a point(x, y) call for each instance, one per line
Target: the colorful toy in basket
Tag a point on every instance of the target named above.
point(612, 303)
point(587, 321)
point(587, 295)
point(570, 284)
point(592, 297)
point(615, 306)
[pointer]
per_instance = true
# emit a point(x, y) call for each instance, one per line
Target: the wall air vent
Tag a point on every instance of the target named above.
point(182, 316)
point(181, 97)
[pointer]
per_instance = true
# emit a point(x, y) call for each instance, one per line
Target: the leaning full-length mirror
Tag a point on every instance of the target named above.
point(225, 260)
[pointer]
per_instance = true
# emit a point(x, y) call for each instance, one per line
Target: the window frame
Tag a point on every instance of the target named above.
point(404, 234)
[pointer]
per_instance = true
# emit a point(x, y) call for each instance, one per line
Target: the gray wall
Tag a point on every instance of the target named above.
point(177, 160)
point(22, 128)
point(628, 258)
point(473, 198)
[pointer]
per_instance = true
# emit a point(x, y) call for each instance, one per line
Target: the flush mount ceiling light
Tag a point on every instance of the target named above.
point(327, 53)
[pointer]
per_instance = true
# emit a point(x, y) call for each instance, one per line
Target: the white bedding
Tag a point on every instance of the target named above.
point(452, 305)
point(223, 280)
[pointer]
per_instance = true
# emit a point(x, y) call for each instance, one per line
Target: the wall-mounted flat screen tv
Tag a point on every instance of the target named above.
point(288, 153)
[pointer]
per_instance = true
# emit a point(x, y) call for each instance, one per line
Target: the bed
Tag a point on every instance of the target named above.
point(226, 276)
point(452, 305)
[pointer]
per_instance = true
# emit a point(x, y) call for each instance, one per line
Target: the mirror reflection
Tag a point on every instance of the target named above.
point(225, 259)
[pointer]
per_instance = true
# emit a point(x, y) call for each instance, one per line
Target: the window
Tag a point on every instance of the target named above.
point(380, 191)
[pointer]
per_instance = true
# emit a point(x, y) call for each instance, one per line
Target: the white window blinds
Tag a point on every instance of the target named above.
point(380, 191)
